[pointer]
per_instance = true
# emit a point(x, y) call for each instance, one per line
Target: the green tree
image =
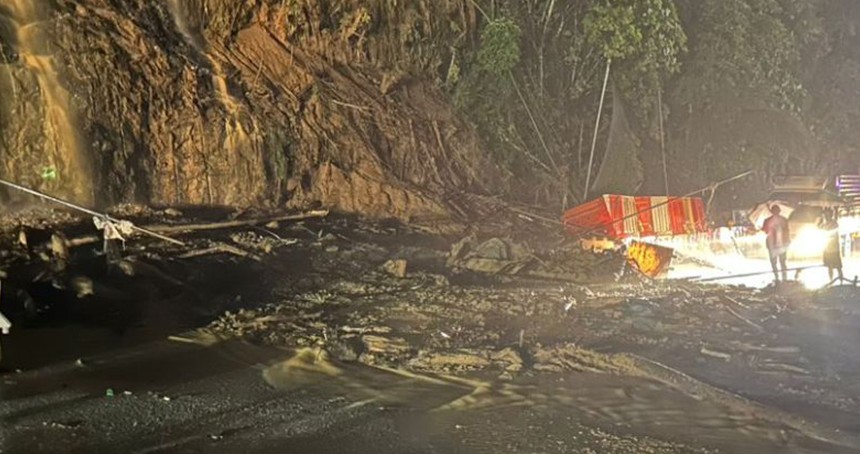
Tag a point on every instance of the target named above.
point(535, 118)
point(648, 32)
point(499, 51)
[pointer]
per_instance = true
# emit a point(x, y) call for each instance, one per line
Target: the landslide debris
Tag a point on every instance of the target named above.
point(334, 286)
point(734, 346)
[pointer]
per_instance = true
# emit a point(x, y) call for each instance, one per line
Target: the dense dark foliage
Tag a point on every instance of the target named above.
point(768, 85)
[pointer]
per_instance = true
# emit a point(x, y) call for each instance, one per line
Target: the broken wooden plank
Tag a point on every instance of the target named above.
point(744, 319)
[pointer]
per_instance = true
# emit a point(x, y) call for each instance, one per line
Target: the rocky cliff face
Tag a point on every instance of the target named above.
point(229, 102)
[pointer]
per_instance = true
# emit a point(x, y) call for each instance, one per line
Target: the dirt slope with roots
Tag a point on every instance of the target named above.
point(238, 103)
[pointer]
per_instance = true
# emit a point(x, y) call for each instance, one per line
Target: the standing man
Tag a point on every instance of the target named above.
point(778, 240)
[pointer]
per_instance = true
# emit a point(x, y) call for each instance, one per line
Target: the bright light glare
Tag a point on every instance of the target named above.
point(849, 224)
point(814, 279)
point(810, 241)
point(743, 260)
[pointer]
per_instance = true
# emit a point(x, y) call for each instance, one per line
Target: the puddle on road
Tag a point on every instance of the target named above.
point(622, 405)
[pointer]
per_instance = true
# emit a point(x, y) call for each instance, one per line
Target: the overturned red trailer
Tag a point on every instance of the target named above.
point(603, 223)
point(618, 217)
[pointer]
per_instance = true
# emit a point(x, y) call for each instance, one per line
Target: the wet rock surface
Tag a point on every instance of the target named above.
point(237, 103)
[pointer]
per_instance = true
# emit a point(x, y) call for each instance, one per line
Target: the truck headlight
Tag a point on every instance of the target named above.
point(810, 240)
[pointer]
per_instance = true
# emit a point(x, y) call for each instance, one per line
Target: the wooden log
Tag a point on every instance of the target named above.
point(221, 248)
point(237, 223)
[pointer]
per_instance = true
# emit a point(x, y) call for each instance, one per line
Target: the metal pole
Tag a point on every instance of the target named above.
point(86, 210)
point(596, 128)
point(662, 136)
point(668, 200)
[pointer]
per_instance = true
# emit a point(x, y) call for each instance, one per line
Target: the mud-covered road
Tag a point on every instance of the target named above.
point(302, 339)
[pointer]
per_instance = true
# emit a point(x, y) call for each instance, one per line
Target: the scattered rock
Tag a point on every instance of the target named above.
point(389, 346)
point(342, 350)
point(255, 241)
point(65, 425)
point(125, 210)
point(509, 359)
point(462, 360)
point(569, 356)
point(83, 286)
point(328, 237)
point(396, 268)
point(366, 330)
point(60, 246)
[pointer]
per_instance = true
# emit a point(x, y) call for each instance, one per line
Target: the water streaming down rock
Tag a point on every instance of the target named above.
point(237, 137)
point(190, 31)
point(178, 10)
point(63, 167)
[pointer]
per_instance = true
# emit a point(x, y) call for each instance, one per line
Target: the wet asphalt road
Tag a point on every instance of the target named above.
point(171, 396)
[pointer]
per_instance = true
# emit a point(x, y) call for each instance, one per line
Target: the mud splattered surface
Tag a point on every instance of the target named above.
point(326, 349)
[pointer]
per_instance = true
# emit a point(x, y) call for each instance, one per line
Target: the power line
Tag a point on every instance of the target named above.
point(87, 211)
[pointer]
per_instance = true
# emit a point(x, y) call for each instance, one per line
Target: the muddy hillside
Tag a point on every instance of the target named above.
point(238, 103)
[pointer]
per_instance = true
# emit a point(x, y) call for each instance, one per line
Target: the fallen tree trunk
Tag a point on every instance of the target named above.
point(221, 248)
point(236, 223)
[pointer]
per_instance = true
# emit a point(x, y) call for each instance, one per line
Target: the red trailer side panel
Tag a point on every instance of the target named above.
point(646, 215)
point(677, 216)
point(616, 213)
point(587, 216)
point(618, 216)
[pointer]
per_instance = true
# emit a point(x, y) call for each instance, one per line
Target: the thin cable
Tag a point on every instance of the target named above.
point(86, 210)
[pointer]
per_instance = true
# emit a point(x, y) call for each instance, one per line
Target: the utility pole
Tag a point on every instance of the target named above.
point(596, 128)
